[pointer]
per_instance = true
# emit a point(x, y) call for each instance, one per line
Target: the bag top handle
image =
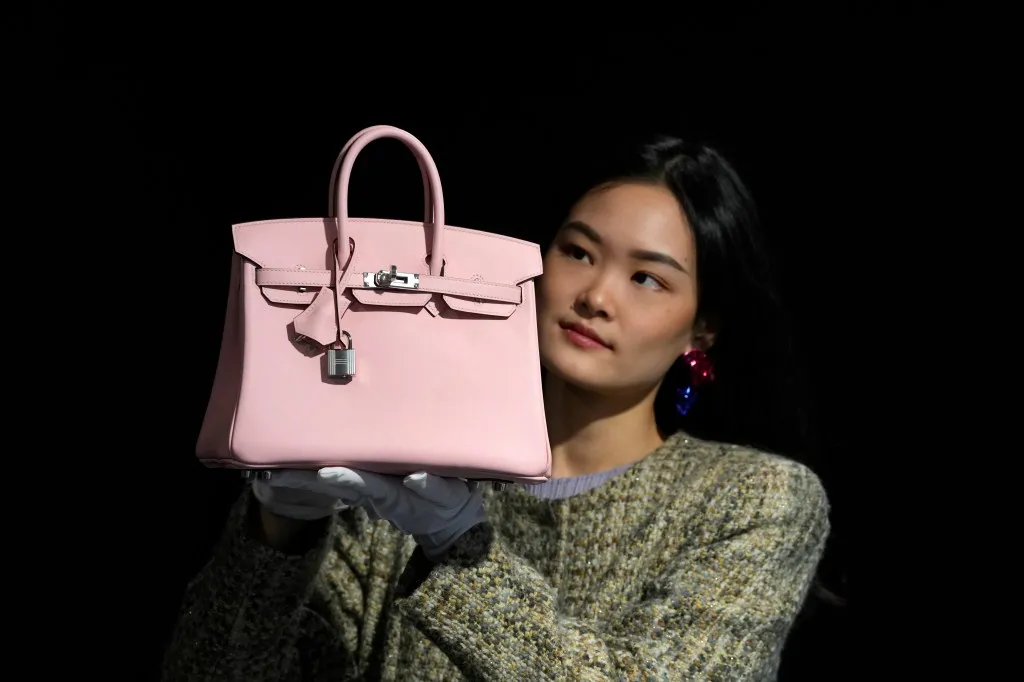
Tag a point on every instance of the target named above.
point(332, 195)
point(432, 189)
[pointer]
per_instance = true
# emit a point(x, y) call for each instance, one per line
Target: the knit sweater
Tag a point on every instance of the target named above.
point(692, 564)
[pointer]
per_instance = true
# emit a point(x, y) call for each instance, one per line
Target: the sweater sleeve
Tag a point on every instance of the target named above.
point(247, 616)
point(721, 611)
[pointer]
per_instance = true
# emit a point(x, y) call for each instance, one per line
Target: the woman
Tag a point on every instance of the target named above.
point(655, 552)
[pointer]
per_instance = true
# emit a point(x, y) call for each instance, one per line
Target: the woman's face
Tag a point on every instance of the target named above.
point(623, 268)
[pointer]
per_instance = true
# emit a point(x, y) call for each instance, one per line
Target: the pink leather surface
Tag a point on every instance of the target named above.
point(448, 375)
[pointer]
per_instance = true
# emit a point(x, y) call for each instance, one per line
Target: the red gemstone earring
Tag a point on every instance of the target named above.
point(701, 372)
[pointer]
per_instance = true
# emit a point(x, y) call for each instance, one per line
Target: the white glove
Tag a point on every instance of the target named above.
point(436, 511)
point(298, 494)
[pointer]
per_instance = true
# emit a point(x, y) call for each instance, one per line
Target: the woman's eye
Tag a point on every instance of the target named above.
point(646, 280)
point(575, 252)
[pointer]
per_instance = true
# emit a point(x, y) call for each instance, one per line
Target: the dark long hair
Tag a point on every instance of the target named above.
point(760, 396)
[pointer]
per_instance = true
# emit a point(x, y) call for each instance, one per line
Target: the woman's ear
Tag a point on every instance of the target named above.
point(704, 334)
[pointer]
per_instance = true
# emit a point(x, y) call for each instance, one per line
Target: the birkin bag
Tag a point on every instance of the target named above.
point(389, 345)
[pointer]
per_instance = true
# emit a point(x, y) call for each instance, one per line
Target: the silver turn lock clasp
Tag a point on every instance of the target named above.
point(391, 279)
point(341, 360)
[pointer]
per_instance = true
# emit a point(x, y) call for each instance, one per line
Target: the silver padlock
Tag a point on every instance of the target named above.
point(341, 361)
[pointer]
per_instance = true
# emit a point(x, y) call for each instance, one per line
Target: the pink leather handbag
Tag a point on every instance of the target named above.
point(387, 345)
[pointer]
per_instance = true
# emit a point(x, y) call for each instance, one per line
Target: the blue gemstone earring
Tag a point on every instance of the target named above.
point(685, 398)
point(701, 372)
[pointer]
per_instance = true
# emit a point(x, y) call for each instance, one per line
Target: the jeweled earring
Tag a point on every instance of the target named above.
point(701, 372)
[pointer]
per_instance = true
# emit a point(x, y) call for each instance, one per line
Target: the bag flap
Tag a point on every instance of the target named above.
point(307, 244)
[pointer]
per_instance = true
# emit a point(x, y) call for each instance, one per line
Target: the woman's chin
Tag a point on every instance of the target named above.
point(578, 373)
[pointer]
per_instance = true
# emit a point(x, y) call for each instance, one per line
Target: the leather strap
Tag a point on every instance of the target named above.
point(427, 168)
point(429, 284)
point(332, 199)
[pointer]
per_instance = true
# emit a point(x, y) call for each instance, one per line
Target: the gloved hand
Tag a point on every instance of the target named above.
point(301, 495)
point(436, 511)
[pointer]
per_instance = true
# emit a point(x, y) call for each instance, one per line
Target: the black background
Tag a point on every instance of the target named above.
point(186, 123)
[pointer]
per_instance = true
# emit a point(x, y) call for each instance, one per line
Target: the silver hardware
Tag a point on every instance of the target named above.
point(499, 486)
point(341, 361)
point(302, 290)
point(248, 474)
point(391, 279)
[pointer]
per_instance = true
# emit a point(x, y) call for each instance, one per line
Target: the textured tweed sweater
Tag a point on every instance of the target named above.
point(690, 565)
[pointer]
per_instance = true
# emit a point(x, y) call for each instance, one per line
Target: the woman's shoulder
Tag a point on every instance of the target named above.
point(736, 477)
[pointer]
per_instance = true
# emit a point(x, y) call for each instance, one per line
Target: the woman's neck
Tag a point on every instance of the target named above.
point(591, 433)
